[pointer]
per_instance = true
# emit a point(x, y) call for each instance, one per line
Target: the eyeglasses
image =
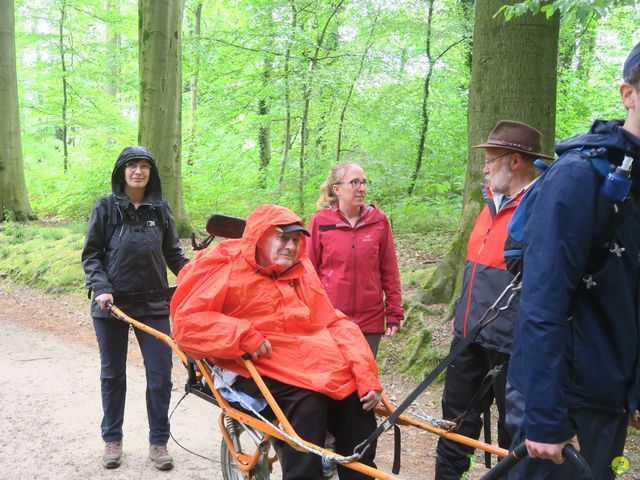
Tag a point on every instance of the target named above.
point(491, 160)
point(356, 183)
point(143, 166)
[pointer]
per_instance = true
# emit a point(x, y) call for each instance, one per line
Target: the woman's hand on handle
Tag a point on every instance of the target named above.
point(103, 299)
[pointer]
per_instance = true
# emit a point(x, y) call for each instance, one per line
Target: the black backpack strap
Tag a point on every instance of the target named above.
point(502, 303)
point(163, 210)
point(112, 218)
point(486, 427)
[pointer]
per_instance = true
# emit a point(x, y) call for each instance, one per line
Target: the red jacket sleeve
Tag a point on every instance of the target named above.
point(390, 277)
point(198, 326)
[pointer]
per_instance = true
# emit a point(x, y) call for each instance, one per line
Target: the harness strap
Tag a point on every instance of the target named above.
point(397, 445)
point(513, 288)
point(487, 382)
point(486, 426)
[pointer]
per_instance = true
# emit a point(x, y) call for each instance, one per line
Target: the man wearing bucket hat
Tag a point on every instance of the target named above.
point(510, 151)
point(574, 375)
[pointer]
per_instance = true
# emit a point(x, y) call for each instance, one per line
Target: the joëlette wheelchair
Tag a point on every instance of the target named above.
point(251, 440)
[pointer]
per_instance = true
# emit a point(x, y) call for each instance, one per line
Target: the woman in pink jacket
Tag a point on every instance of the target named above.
point(352, 249)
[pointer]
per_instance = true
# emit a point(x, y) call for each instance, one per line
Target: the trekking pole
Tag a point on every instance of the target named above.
point(581, 466)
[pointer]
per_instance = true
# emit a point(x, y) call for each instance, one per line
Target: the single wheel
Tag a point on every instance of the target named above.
point(246, 440)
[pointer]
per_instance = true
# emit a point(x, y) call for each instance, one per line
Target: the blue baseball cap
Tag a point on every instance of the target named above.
point(632, 63)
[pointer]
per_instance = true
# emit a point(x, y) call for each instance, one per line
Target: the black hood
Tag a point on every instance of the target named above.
point(153, 191)
point(608, 134)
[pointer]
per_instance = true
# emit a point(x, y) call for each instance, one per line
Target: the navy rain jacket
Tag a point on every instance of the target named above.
point(577, 342)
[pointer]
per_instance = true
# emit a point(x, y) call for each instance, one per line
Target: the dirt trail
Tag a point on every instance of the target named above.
point(50, 415)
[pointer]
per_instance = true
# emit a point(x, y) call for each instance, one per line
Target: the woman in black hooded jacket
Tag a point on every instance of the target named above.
point(131, 239)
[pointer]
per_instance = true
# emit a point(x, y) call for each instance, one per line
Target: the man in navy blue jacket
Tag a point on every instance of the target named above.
point(574, 376)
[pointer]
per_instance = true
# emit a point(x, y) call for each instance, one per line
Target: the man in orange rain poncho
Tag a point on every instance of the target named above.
point(260, 295)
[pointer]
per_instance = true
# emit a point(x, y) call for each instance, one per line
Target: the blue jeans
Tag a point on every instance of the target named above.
point(113, 337)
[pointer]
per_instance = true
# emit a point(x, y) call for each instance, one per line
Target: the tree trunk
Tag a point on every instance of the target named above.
point(113, 42)
point(160, 123)
point(287, 97)
point(113, 45)
point(194, 83)
point(264, 139)
point(586, 51)
point(307, 88)
point(424, 128)
point(513, 77)
point(64, 132)
point(306, 97)
point(14, 201)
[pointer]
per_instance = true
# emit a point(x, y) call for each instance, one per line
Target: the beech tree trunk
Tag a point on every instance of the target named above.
point(14, 201)
point(64, 130)
point(264, 132)
point(513, 77)
point(160, 122)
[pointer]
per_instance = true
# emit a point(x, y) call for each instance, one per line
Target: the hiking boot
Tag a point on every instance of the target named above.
point(112, 454)
point(160, 457)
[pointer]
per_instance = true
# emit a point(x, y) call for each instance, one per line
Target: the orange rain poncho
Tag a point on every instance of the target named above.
point(227, 305)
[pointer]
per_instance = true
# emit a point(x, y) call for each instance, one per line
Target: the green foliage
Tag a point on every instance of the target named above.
point(365, 82)
point(591, 55)
point(570, 9)
point(46, 257)
point(369, 71)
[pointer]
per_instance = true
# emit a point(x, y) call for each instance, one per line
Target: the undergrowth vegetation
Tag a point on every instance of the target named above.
point(46, 257)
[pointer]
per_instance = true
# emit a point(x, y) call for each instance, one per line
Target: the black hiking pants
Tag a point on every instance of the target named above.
point(113, 341)
point(311, 414)
point(464, 378)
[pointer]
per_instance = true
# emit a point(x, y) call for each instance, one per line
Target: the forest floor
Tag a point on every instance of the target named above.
point(49, 390)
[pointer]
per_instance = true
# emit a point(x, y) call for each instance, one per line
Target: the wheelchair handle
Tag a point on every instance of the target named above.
point(580, 465)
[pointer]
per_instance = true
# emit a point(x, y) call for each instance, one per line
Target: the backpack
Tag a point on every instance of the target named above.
point(615, 187)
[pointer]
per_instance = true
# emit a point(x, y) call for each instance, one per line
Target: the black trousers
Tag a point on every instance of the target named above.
point(464, 378)
point(311, 414)
point(602, 436)
point(113, 341)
